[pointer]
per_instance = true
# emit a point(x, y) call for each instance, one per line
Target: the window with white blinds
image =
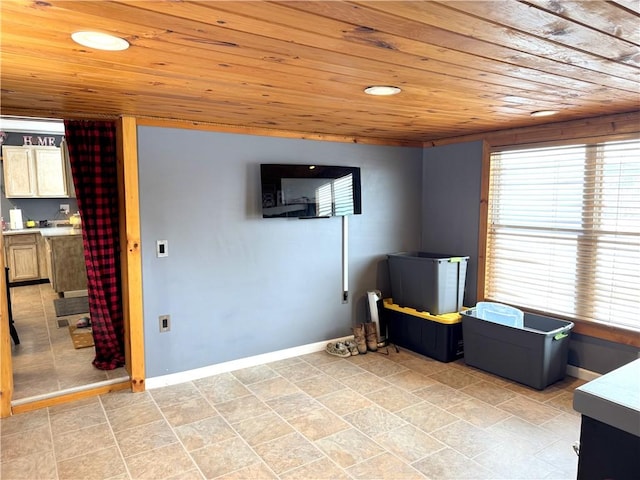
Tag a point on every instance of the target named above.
point(563, 233)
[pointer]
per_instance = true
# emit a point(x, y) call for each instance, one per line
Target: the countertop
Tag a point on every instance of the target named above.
point(613, 398)
point(46, 232)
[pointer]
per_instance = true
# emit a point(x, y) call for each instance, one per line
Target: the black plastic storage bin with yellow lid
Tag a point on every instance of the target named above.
point(428, 282)
point(435, 336)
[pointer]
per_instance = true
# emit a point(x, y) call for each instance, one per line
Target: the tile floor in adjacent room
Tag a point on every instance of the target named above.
point(316, 416)
point(45, 361)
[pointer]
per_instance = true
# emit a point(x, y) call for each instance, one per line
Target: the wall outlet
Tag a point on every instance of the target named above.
point(64, 208)
point(165, 323)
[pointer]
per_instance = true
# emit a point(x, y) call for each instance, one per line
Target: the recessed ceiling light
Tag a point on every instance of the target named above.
point(382, 90)
point(543, 113)
point(100, 41)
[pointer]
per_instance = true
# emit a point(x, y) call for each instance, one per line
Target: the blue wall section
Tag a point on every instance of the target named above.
point(600, 356)
point(237, 285)
point(451, 205)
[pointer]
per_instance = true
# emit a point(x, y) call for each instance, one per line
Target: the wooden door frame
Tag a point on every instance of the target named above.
point(131, 258)
point(131, 278)
point(6, 366)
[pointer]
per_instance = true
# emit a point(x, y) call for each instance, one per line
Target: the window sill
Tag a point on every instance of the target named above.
point(607, 332)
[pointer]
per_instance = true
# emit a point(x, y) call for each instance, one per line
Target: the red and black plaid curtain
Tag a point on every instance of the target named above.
point(92, 152)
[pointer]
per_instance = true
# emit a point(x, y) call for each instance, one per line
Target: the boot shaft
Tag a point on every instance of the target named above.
point(371, 336)
point(359, 337)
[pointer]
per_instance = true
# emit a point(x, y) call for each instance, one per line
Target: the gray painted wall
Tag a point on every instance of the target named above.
point(450, 221)
point(238, 285)
point(598, 355)
point(451, 205)
point(37, 208)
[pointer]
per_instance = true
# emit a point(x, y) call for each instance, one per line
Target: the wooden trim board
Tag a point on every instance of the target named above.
point(131, 261)
point(6, 364)
point(70, 397)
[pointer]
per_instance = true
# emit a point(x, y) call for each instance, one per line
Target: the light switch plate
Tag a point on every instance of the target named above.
point(162, 248)
point(165, 323)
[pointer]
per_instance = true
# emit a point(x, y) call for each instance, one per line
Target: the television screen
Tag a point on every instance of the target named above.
point(309, 191)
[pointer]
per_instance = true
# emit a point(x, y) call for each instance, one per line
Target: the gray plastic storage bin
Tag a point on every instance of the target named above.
point(535, 355)
point(428, 282)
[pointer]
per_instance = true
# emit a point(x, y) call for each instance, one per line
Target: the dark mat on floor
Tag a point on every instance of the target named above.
point(63, 323)
point(71, 306)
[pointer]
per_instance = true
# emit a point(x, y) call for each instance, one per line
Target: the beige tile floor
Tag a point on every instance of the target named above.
point(45, 360)
point(316, 416)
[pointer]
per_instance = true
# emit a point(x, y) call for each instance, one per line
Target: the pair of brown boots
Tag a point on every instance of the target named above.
point(366, 337)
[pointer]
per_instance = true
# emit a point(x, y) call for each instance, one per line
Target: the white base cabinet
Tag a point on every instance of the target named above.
point(23, 257)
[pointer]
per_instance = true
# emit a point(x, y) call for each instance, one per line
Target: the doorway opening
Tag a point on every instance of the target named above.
point(45, 364)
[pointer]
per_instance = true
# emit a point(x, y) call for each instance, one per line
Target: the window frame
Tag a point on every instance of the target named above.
point(590, 328)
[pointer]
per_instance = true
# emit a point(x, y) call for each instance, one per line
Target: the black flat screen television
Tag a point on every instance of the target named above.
point(309, 191)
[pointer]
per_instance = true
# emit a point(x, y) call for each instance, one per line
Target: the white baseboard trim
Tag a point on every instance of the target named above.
point(197, 373)
point(581, 373)
point(210, 370)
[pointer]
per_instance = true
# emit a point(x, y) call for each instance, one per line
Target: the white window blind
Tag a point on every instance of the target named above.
point(336, 197)
point(563, 233)
point(343, 188)
point(324, 194)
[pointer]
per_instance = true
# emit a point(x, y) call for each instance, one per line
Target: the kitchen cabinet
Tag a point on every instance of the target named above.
point(22, 257)
point(35, 172)
point(610, 424)
point(65, 262)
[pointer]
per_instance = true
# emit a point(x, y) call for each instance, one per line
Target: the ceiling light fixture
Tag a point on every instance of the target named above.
point(543, 113)
point(100, 41)
point(382, 90)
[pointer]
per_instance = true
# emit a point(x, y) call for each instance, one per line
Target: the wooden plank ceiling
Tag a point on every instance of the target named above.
point(465, 67)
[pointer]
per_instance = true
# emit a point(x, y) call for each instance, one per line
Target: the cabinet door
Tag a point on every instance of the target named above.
point(68, 269)
point(51, 178)
point(23, 262)
point(71, 189)
point(19, 175)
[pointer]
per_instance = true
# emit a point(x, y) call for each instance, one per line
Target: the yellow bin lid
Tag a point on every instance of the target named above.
point(446, 318)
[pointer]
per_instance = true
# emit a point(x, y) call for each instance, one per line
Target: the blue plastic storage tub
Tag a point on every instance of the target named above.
point(500, 313)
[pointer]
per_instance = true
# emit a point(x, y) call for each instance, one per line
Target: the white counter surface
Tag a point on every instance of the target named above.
point(21, 231)
point(60, 231)
point(46, 232)
point(613, 398)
